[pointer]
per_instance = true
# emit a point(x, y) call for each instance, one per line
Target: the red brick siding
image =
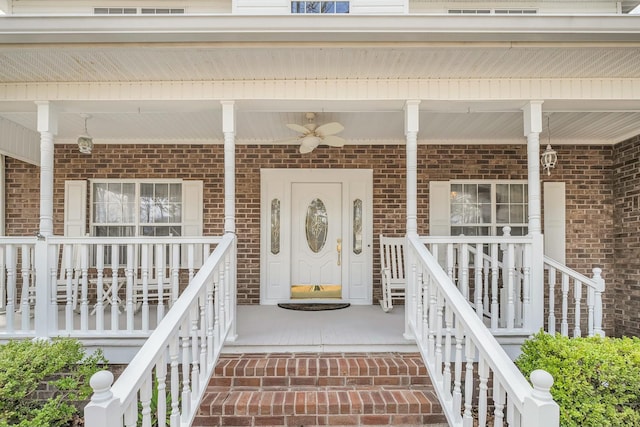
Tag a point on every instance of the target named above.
point(626, 293)
point(587, 171)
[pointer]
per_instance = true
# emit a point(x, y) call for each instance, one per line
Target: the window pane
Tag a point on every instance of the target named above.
point(313, 7)
point(485, 214)
point(175, 193)
point(297, 7)
point(517, 193)
point(484, 193)
point(502, 214)
point(342, 7)
point(502, 193)
point(517, 214)
point(328, 7)
point(470, 193)
point(518, 231)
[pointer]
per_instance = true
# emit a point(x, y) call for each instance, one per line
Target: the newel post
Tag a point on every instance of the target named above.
point(597, 308)
point(104, 409)
point(539, 408)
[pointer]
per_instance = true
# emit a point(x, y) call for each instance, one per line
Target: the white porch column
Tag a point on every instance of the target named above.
point(45, 318)
point(411, 126)
point(532, 128)
point(48, 128)
point(229, 131)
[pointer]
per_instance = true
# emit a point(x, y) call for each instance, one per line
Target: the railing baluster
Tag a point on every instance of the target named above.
point(131, 414)
point(591, 296)
point(483, 375)
point(145, 401)
point(186, 363)
point(551, 322)
point(130, 267)
point(11, 286)
point(498, 403)
point(99, 308)
point(470, 355)
point(422, 310)
point(495, 292)
point(115, 300)
point(175, 272)
point(202, 330)
point(564, 325)
point(161, 379)
point(191, 260)
point(147, 252)
point(446, 380)
point(463, 267)
point(478, 288)
point(486, 285)
point(439, 322)
point(26, 288)
point(433, 313)
point(510, 286)
point(69, 271)
point(526, 287)
point(84, 304)
point(195, 350)
point(577, 295)
point(457, 381)
point(160, 275)
point(174, 348)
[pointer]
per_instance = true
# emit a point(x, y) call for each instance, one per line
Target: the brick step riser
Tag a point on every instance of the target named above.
point(268, 382)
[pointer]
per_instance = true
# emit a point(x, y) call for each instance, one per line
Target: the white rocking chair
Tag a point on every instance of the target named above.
point(393, 270)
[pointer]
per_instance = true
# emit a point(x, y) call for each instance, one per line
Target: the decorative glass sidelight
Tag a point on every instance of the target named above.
point(275, 226)
point(357, 226)
point(316, 225)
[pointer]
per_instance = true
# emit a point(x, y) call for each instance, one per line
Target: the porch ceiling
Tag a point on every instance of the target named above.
point(234, 49)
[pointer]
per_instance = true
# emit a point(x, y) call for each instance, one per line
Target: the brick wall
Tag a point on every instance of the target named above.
point(587, 171)
point(627, 237)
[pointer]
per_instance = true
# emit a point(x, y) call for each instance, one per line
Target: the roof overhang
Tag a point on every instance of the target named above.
point(331, 29)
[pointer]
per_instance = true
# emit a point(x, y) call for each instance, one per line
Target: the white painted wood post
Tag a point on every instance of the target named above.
point(411, 127)
point(229, 130)
point(597, 315)
point(47, 125)
point(532, 128)
point(539, 407)
point(104, 409)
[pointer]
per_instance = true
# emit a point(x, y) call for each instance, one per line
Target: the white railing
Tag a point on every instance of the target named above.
point(587, 293)
point(17, 276)
point(497, 283)
point(463, 357)
point(182, 352)
point(90, 286)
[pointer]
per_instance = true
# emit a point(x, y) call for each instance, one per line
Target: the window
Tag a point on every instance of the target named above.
point(125, 208)
point(484, 208)
point(324, 7)
point(494, 11)
point(115, 10)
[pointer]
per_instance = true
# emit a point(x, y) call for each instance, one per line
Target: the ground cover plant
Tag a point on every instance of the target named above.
point(597, 380)
point(41, 382)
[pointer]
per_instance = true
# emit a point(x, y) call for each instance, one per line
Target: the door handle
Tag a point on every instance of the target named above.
point(339, 249)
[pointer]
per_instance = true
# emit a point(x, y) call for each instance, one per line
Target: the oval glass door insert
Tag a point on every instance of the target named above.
point(316, 225)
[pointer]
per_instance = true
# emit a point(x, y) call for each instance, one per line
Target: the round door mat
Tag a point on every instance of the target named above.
point(313, 306)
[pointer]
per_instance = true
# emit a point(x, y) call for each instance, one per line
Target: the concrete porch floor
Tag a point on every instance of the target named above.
point(358, 328)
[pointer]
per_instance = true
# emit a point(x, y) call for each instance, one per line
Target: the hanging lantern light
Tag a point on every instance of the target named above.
point(549, 156)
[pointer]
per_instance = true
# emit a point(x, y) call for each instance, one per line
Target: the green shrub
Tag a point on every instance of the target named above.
point(597, 380)
point(27, 366)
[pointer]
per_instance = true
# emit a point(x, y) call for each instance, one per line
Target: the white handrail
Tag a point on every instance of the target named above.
point(593, 299)
point(445, 327)
point(191, 334)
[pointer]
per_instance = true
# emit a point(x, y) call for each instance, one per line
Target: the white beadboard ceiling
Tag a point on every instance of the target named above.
point(593, 122)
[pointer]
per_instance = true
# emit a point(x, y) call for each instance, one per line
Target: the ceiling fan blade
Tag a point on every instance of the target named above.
point(309, 143)
point(329, 129)
point(333, 141)
point(297, 128)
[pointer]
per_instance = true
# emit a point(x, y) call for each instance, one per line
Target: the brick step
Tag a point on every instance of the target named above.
point(320, 389)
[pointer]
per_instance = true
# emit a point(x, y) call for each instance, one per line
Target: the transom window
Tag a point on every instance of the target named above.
point(326, 7)
point(484, 208)
point(126, 208)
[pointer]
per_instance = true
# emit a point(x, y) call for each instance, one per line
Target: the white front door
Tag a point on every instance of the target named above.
point(303, 214)
point(316, 256)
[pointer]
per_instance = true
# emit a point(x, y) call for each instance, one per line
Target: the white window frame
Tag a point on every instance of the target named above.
point(494, 227)
point(137, 224)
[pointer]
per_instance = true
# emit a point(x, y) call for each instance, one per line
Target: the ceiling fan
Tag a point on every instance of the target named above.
point(312, 135)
